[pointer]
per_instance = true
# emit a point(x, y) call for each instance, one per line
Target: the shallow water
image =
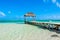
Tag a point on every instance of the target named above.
point(48, 21)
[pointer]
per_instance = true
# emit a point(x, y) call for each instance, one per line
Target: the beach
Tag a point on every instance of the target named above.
point(16, 31)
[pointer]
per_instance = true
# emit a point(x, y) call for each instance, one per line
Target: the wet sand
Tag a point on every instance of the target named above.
point(13, 31)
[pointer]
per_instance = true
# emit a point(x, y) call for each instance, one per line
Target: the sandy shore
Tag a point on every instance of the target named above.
point(12, 31)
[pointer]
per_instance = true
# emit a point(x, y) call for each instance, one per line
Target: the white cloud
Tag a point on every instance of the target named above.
point(2, 14)
point(17, 16)
point(9, 12)
point(54, 1)
point(21, 16)
point(45, 0)
point(57, 4)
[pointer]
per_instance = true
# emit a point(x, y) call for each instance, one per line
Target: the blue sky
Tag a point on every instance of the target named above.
point(43, 9)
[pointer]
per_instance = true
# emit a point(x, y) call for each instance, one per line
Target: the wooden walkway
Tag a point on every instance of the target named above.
point(45, 24)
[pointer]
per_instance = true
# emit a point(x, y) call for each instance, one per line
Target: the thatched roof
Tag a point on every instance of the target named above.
point(29, 14)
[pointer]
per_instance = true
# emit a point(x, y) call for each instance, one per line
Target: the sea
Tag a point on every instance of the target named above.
point(12, 21)
point(22, 21)
point(48, 21)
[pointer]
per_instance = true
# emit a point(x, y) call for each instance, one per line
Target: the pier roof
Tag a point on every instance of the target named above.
point(29, 14)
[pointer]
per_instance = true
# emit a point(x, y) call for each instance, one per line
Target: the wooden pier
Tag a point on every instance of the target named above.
point(52, 25)
point(49, 25)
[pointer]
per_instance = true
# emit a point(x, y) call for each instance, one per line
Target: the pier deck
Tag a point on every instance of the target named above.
point(45, 24)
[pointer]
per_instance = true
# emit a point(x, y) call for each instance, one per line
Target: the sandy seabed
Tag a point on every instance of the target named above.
point(13, 31)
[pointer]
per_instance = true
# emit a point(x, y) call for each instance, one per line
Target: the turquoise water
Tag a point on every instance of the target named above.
point(11, 21)
point(22, 21)
point(48, 21)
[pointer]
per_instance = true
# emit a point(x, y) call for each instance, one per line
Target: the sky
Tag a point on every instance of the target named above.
point(43, 9)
